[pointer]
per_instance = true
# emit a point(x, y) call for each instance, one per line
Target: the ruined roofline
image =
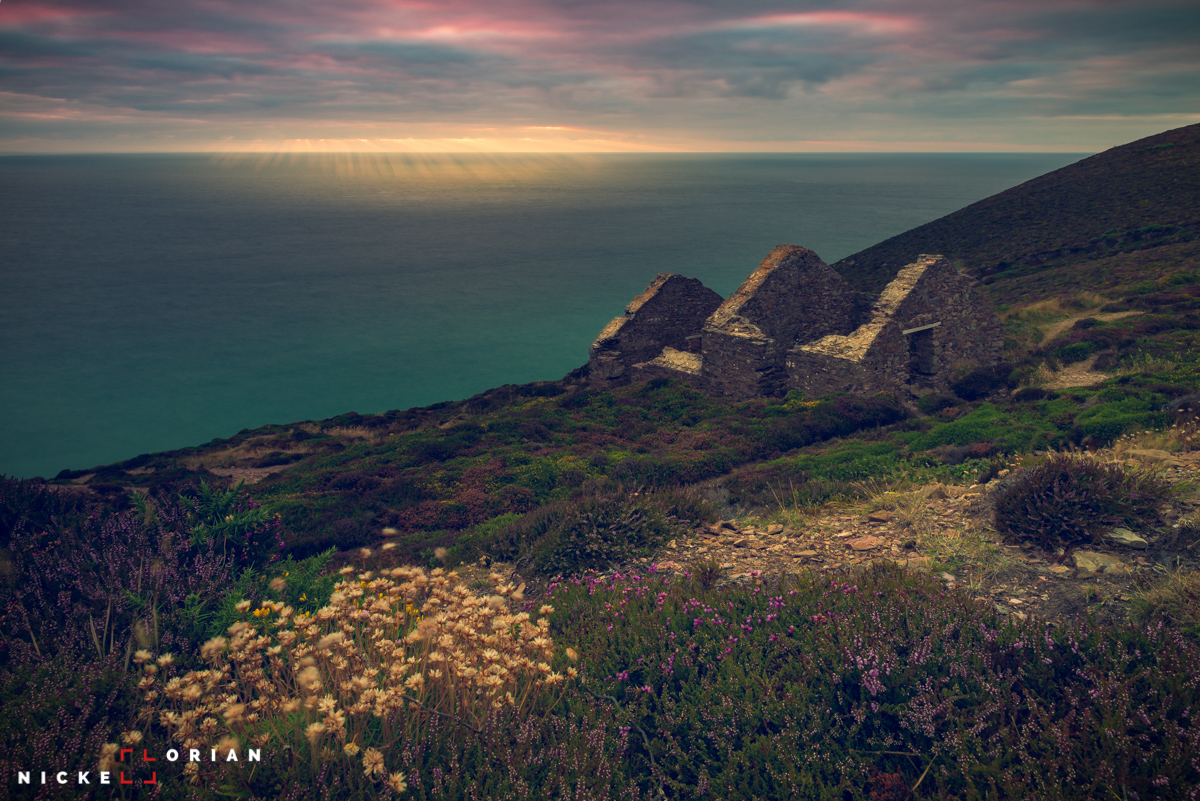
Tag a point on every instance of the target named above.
point(796, 324)
point(729, 313)
point(855, 345)
point(614, 326)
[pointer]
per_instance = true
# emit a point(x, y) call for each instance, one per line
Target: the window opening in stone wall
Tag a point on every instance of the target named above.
point(921, 361)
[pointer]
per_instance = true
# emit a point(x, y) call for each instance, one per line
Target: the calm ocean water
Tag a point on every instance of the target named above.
point(155, 302)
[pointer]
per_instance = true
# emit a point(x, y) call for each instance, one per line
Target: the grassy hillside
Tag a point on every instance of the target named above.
point(1107, 220)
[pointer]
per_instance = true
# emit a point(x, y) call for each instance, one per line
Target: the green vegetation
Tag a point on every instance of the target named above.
point(1111, 220)
point(159, 607)
point(598, 530)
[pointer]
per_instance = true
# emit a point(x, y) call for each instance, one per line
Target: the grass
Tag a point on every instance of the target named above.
point(1174, 599)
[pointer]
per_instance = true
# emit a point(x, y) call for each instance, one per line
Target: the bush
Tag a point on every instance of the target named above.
point(1067, 499)
point(1077, 352)
point(595, 531)
point(1119, 411)
point(1030, 394)
point(982, 382)
point(933, 402)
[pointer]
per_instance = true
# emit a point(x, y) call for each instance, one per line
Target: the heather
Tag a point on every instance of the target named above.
point(596, 530)
point(146, 628)
point(830, 687)
point(1067, 500)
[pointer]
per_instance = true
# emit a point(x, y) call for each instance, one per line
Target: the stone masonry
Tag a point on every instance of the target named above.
point(796, 324)
point(671, 309)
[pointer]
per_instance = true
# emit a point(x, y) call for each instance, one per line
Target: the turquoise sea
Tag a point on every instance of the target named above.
point(151, 302)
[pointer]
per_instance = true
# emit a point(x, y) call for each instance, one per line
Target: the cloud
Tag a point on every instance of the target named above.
point(719, 72)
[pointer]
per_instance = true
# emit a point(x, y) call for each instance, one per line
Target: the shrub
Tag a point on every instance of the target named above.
point(1119, 411)
point(230, 521)
point(1068, 499)
point(1077, 352)
point(109, 584)
point(31, 503)
point(982, 382)
point(595, 531)
point(1010, 431)
point(933, 402)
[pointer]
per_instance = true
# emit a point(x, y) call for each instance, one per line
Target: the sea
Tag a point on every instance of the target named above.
point(152, 302)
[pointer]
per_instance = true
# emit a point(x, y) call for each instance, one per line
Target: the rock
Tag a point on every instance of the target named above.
point(806, 554)
point(865, 543)
point(774, 528)
point(672, 545)
point(919, 563)
point(881, 516)
point(1093, 562)
point(1149, 455)
point(949, 578)
point(939, 491)
point(742, 543)
point(1123, 536)
point(1059, 569)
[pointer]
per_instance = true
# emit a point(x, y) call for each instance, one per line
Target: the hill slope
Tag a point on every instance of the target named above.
point(1096, 212)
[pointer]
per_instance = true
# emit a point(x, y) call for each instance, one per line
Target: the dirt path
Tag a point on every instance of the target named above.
point(1063, 325)
point(1081, 374)
point(947, 530)
point(1078, 375)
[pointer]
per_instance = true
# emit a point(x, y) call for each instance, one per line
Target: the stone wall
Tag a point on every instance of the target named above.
point(673, 363)
point(925, 323)
point(796, 324)
point(671, 309)
point(792, 295)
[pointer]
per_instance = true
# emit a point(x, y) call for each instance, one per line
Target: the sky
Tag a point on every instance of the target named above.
point(578, 76)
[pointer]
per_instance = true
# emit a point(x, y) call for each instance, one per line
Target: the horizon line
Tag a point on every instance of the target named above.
point(229, 153)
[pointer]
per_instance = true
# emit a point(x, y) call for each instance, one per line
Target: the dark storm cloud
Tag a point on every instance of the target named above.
point(698, 66)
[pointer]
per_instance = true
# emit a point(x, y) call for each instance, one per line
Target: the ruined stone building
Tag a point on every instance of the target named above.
point(796, 324)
